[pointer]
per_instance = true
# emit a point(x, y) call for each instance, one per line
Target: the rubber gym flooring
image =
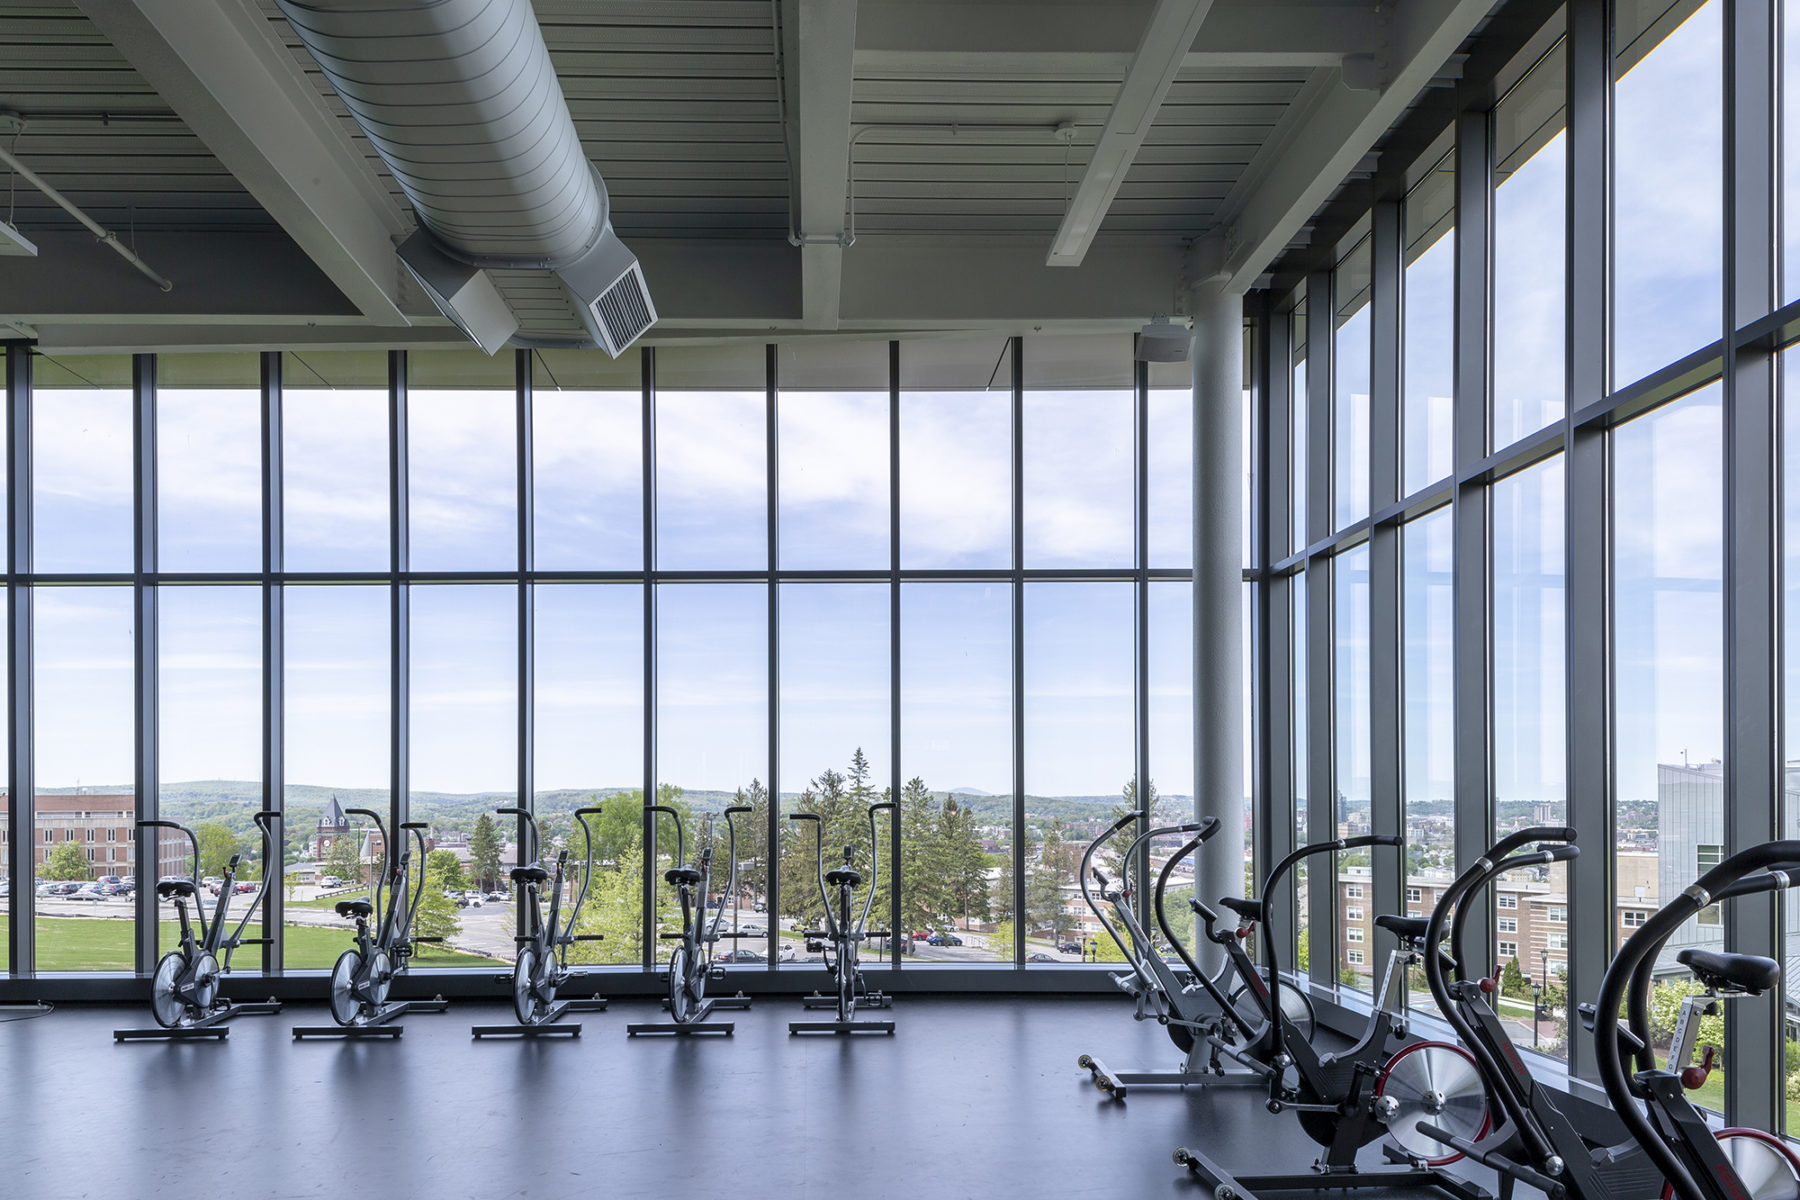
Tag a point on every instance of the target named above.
point(971, 1098)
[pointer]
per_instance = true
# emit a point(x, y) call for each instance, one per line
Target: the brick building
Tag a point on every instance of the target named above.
point(103, 825)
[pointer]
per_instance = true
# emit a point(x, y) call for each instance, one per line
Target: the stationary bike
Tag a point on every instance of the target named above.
point(1699, 1164)
point(1189, 1009)
point(384, 942)
point(184, 991)
point(542, 964)
point(1535, 1142)
point(845, 930)
point(691, 961)
point(1345, 1100)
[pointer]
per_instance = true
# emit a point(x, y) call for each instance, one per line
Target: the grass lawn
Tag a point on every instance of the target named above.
point(96, 944)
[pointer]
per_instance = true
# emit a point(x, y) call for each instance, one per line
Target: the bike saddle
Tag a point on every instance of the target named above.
point(1250, 910)
point(529, 875)
point(168, 889)
point(680, 876)
point(843, 877)
point(1749, 973)
point(354, 908)
point(1407, 929)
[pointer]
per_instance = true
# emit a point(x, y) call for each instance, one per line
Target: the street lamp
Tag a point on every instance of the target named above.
point(1537, 1009)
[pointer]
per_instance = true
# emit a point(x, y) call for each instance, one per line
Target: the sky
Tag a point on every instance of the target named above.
point(712, 654)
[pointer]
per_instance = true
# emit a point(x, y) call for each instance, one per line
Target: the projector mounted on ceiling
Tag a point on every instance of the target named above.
point(1159, 341)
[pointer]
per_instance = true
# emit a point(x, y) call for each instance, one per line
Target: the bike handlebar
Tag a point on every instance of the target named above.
point(680, 833)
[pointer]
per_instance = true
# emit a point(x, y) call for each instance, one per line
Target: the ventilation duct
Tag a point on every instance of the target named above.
point(460, 100)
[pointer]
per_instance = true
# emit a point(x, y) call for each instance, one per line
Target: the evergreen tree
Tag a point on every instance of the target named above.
point(752, 842)
point(485, 847)
point(964, 863)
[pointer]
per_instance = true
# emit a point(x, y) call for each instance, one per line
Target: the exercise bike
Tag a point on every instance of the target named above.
point(362, 977)
point(845, 931)
point(542, 964)
point(1698, 1163)
point(1535, 1142)
point(1191, 1010)
point(691, 961)
point(184, 991)
point(1344, 1101)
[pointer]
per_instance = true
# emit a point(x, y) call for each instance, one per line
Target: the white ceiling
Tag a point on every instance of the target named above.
point(201, 131)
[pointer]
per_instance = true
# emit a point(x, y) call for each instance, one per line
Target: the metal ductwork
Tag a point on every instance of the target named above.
point(461, 101)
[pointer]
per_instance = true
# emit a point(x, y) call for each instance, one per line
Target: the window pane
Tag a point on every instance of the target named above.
point(956, 743)
point(209, 468)
point(1302, 757)
point(463, 749)
point(334, 462)
point(1170, 472)
point(1080, 469)
point(712, 704)
point(1428, 649)
point(1079, 728)
point(1529, 693)
point(711, 481)
point(1668, 669)
point(209, 728)
point(1530, 188)
point(833, 466)
point(81, 468)
point(1350, 587)
point(1350, 389)
point(589, 748)
point(587, 457)
point(1298, 475)
point(955, 476)
point(336, 688)
point(1668, 195)
point(83, 643)
point(1170, 635)
point(462, 480)
point(1790, 626)
point(1429, 293)
point(835, 741)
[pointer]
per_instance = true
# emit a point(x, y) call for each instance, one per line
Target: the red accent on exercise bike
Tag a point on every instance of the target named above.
point(1694, 1078)
point(1245, 931)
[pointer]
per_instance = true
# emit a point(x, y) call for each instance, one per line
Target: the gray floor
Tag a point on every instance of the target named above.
point(972, 1098)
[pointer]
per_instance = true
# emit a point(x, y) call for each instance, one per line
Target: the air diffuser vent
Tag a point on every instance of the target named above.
point(623, 312)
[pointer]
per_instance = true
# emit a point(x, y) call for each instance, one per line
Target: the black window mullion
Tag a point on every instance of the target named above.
point(527, 627)
point(1018, 648)
point(894, 731)
point(647, 883)
point(21, 775)
point(772, 450)
point(274, 732)
point(400, 606)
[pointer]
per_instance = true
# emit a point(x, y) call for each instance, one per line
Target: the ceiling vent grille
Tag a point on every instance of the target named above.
point(623, 313)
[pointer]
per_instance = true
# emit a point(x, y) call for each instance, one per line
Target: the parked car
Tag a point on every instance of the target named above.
point(90, 892)
point(106, 879)
point(65, 889)
point(753, 931)
point(742, 955)
point(1042, 958)
point(245, 885)
point(45, 889)
point(112, 889)
point(498, 896)
point(943, 939)
point(1069, 948)
point(787, 953)
point(761, 907)
point(330, 881)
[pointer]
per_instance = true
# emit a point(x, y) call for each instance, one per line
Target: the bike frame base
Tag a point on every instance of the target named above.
point(1117, 1083)
point(840, 1026)
point(870, 1000)
point(739, 1001)
point(545, 1026)
point(696, 1028)
point(376, 1026)
point(212, 1025)
point(1225, 1186)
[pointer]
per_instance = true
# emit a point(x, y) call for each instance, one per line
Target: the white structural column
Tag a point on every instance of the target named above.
point(1218, 361)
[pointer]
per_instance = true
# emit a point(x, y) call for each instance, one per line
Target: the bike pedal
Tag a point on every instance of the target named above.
point(716, 973)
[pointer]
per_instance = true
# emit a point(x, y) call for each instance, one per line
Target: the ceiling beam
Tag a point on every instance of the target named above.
point(1160, 51)
point(1065, 41)
point(1330, 131)
point(820, 62)
point(257, 291)
point(219, 65)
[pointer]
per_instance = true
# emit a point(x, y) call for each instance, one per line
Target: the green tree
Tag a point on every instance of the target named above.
point(614, 910)
point(217, 845)
point(1513, 983)
point(1001, 940)
point(68, 861)
point(963, 861)
point(437, 914)
point(1665, 1007)
point(447, 869)
point(752, 842)
point(342, 860)
point(1303, 951)
point(485, 846)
